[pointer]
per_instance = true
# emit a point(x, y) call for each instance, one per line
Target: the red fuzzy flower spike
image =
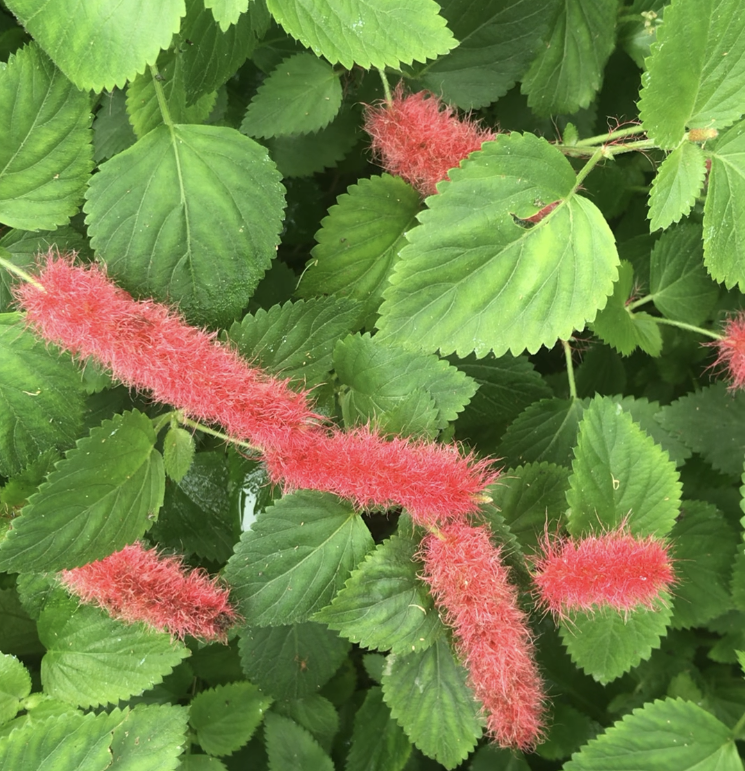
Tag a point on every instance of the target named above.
point(135, 584)
point(731, 350)
point(420, 139)
point(469, 583)
point(147, 345)
point(615, 569)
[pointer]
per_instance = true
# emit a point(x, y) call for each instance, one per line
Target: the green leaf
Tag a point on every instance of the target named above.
point(711, 422)
point(378, 741)
point(569, 70)
point(190, 214)
point(150, 738)
point(178, 452)
point(695, 76)
point(381, 377)
point(473, 279)
point(316, 714)
point(290, 662)
point(101, 497)
point(678, 282)
point(428, 696)
point(290, 747)
point(724, 210)
point(661, 735)
point(102, 45)
point(17, 632)
point(71, 741)
point(15, 686)
point(703, 549)
point(675, 188)
point(296, 340)
point(112, 131)
point(41, 396)
point(544, 431)
point(226, 717)
point(623, 329)
point(490, 757)
point(506, 386)
point(531, 499)
point(46, 155)
point(365, 33)
point(303, 94)
point(226, 12)
point(359, 242)
point(92, 659)
point(568, 730)
point(296, 556)
point(605, 644)
point(618, 474)
point(497, 41)
point(201, 763)
point(384, 605)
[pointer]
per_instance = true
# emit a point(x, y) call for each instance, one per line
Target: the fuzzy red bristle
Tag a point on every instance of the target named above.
point(731, 350)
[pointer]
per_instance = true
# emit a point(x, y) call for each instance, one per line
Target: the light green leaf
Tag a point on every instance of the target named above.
point(679, 180)
point(497, 41)
point(290, 747)
point(696, 75)
point(678, 282)
point(226, 12)
point(384, 605)
point(365, 33)
point(378, 741)
point(297, 555)
point(226, 717)
point(703, 549)
point(296, 340)
point(46, 155)
point(569, 70)
point(473, 279)
point(201, 763)
point(190, 214)
point(544, 431)
point(178, 452)
point(606, 643)
point(618, 474)
point(41, 397)
point(428, 696)
point(15, 686)
point(712, 423)
point(291, 662)
point(112, 131)
point(382, 376)
point(359, 242)
point(101, 497)
point(303, 94)
point(92, 659)
point(150, 738)
point(724, 210)
point(665, 734)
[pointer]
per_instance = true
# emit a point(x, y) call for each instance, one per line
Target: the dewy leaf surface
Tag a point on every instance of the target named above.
point(101, 497)
point(696, 75)
point(473, 279)
point(369, 33)
point(664, 734)
point(96, 43)
point(45, 155)
point(568, 71)
point(618, 474)
point(297, 555)
point(190, 214)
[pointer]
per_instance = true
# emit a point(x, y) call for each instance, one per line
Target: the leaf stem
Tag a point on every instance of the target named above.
point(162, 102)
point(21, 273)
point(637, 303)
point(570, 369)
point(612, 136)
point(738, 729)
point(212, 432)
point(588, 167)
point(386, 87)
point(688, 327)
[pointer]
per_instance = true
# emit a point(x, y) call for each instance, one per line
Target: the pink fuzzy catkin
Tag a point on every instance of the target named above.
point(135, 584)
point(615, 569)
point(418, 138)
point(731, 350)
point(147, 345)
point(469, 582)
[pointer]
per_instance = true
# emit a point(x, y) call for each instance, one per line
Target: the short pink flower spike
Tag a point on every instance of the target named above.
point(731, 350)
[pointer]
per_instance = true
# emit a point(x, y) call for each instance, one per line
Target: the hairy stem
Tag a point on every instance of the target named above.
point(21, 273)
point(570, 368)
point(162, 103)
point(689, 327)
point(386, 87)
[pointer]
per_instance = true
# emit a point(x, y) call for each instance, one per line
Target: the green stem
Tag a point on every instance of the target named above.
point(602, 139)
point(386, 87)
point(638, 303)
point(211, 431)
point(608, 150)
point(162, 103)
point(738, 729)
point(588, 167)
point(21, 273)
point(570, 369)
point(689, 327)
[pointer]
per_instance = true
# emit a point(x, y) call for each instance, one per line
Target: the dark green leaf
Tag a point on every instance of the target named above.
point(568, 730)
point(15, 686)
point(314, 713)
point(378, 742)
point(112, 131)
point(17, 632)
point(675, 188)
point(150, 738)
point(290, 747)
point(101, 497)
